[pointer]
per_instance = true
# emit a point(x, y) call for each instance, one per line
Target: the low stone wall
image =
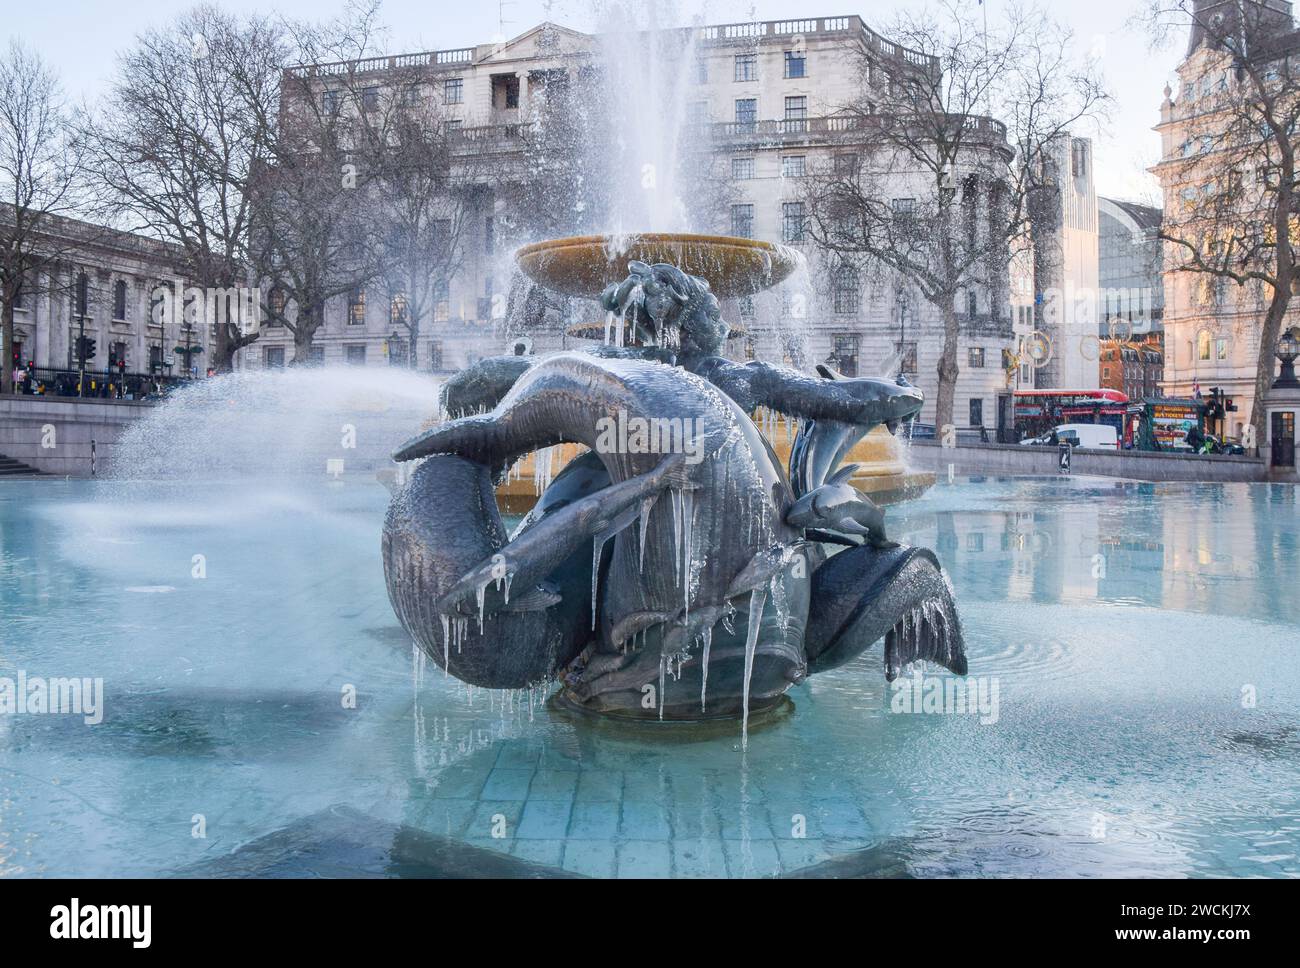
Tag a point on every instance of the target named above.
point(54, 434)
point(1136, 465)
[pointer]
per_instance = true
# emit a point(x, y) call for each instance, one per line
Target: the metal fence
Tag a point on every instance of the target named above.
point(98, 384)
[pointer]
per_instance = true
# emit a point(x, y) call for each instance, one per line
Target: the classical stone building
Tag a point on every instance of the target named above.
point(112, 287)
point(766, 101)
point(1211, 325)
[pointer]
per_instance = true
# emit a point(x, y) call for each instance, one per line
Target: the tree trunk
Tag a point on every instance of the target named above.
point(411, 356)
point(308, 321)
point(947, 370)
point(7, 370)
point(1265, 363)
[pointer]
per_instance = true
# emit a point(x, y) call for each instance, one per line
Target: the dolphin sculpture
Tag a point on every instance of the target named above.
point(651, 585)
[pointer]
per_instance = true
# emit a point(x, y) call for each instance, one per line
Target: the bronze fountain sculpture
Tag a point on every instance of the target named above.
point(675, 571)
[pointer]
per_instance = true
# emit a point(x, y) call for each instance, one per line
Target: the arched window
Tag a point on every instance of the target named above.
point(119, 299)
point(1203, 345)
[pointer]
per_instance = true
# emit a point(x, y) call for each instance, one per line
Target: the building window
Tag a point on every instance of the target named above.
point(746, 113)
point(435, 354)
point(1203, 345)
point(845, 293)
point(315, 355)
point(972, 303)
point(976, 357)
point(742, 169)
point(796, 63)
point(453, 90)
point(906, 353)
point(701, 71)
point(276, 304)
point(397, 309)
point(329, 103)
point(505, 92)
point(489, 235)
point(903, 208)
point(792, 221)
point(742, 221)
point(846, 165)
point(370, 99)
point(273, 357)
point(976, 412)
point(441, 301)
point(119, 299)
point(796, 114)
point(354, 354)
point(746, 307)
point(844, 351)
point(357, 307)
point(452, 127)
point(1221, 349)
point(793, 166)
point(746, 67)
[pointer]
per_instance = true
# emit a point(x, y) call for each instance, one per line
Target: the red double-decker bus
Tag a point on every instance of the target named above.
point(1039, 411)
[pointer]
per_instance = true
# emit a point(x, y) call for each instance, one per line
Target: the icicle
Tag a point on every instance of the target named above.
point(707, 636)
point(596, 548)
point(646, 504)
point(688, 514)
point(446, 643)
point(663, 664)
point(751, 645)
point(677, 530)
point(510, 576)
point(481, 593)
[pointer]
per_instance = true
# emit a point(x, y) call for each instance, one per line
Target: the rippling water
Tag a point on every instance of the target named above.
point(1142, 640)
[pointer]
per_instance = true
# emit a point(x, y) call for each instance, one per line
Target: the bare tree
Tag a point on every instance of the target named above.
point(173, 147)
point(429, 210)
point(40, 184)
point(1235, 221)
point(315, 237)
point(925, 186)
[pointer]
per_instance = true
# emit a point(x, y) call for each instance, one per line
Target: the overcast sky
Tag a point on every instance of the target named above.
point(81, 37)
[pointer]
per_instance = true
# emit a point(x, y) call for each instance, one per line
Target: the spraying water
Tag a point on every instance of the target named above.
point(277, 423)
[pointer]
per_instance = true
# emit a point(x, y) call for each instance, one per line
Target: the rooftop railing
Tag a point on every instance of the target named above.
point(751, 30)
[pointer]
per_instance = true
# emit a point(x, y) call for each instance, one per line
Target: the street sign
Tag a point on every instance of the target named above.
point(1064, 454)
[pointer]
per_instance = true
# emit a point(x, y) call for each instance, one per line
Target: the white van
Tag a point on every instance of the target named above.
point(1100, 436)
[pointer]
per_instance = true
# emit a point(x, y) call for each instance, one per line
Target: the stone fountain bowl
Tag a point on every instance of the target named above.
point(585, 265)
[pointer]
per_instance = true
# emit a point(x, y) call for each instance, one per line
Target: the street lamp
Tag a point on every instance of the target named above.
point(1288, 348)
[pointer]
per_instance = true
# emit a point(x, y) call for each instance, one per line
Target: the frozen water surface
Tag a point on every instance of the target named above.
point(1142, 639)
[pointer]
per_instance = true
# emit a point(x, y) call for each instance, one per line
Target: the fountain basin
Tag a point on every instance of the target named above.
point(584, 265)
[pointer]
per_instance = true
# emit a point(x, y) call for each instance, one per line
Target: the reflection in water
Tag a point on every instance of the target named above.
point(1143, 638)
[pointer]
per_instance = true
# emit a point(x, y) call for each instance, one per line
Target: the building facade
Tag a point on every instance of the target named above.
point(1211, 325)
point(123, 291)
point(767, 99)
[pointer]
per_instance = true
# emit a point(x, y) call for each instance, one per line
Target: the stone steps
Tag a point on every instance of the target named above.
point(13, 468)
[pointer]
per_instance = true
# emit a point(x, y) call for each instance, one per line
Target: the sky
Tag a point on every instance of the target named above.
point(81, 38)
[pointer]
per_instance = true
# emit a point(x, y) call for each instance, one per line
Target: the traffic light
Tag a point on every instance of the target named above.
point(85, 349)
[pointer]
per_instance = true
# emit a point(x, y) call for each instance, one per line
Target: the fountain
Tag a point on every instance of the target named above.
point(673, 571)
